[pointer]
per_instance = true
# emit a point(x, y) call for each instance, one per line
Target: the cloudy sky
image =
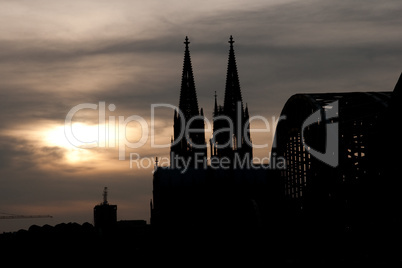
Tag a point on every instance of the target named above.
point(55, 55)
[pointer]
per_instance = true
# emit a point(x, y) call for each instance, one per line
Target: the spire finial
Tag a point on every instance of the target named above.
point(231, 41)
point(187, 42)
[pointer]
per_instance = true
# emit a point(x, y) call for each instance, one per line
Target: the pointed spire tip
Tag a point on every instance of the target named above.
point(231, 40)
point(186, 42)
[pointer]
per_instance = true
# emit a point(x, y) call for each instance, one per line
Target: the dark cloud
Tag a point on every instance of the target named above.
point(294, 41)
point(22, 154)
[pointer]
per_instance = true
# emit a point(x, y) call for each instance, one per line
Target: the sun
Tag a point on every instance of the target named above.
point(85, 136)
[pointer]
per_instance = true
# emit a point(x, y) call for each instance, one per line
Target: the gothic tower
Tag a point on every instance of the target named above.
point(190, 144)
point(231, 135)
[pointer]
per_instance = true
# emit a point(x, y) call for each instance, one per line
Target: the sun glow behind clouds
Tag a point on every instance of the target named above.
point(94, 142)
point(86, 134)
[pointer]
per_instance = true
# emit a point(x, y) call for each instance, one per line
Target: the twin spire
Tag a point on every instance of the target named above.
point(188, 103)
point(232, 108)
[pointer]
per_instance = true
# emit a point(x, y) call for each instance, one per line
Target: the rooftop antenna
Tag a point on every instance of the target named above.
point(105, 196)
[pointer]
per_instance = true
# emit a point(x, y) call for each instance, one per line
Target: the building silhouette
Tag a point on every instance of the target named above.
point(105, 215)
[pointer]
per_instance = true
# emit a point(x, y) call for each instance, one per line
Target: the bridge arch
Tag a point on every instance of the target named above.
point(309, 182)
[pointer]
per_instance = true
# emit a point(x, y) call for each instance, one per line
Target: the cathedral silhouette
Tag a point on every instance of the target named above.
point(202, 196)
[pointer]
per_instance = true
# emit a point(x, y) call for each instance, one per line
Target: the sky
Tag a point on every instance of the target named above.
point(126, 56)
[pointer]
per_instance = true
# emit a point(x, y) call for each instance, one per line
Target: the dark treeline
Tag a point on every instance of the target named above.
point(76, 243)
